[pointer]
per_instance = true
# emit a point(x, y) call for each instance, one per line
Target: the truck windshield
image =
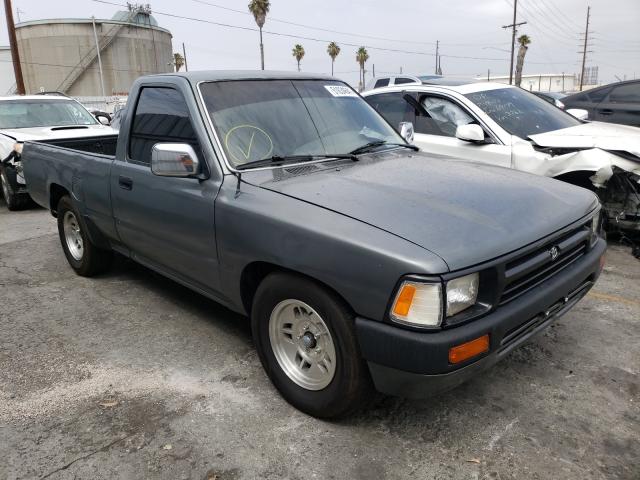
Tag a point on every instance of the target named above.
point(257, 120)
point(43, 113)
point(521, 113)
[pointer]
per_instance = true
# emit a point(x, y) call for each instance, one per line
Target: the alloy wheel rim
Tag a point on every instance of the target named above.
point(302, 344)
point(72, 235)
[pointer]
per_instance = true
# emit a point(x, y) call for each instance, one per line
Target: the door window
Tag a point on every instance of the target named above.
point(383, 82)
point(392, 107)
point(401, 80)
point(161, 116)
point(444, 117)
point(629, 93)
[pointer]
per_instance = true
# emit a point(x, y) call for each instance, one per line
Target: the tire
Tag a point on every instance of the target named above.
point(84, 257)
point(15, 201)
point(346, 382)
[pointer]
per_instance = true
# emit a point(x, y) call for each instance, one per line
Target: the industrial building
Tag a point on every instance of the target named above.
point(542, 82)
point(93, 57)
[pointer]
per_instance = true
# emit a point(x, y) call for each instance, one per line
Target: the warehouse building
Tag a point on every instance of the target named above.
point(65, 54)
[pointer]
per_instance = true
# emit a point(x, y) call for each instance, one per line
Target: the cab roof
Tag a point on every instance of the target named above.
point(226, 75)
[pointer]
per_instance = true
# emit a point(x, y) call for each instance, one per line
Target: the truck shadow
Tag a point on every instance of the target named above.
point(482, 392)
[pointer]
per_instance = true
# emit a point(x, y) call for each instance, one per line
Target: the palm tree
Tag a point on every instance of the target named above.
point(361, 57)
point(298, 52)
point(178, 61)
point(260, 8)
point(333, 50)
point(524, 42)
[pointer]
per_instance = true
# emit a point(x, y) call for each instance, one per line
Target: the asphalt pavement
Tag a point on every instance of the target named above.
point(131, 376)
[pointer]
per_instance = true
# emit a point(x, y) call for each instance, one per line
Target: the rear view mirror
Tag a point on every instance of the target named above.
point(579, 113)
point(174, 160)
point(470, 133)
point(103, 119)
point(406, 131)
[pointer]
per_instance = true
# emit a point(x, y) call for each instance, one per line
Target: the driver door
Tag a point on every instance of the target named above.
point(166, 223)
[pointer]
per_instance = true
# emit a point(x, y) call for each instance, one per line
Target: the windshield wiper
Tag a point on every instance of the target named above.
point(367, 147)
point(278, 160)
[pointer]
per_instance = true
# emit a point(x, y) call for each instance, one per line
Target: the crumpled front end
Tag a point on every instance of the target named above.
point(613, 174)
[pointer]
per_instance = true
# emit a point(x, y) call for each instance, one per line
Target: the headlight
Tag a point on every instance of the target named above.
point(418, 304)
point(559, 104)
point(595, 224)
point(17, 147)
point(462, 293)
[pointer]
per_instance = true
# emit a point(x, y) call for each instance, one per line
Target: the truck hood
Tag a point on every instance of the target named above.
point(605, 136)
point(464, 212)
point(51, 133)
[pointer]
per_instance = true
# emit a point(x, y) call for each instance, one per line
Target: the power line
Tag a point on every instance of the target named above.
point(350, 34)
point(312, 39)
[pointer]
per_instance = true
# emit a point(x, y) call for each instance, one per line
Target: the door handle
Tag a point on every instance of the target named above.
point(605, 111)
point(125, 182)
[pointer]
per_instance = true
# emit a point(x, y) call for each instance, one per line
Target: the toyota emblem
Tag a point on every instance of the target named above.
point(554, 252)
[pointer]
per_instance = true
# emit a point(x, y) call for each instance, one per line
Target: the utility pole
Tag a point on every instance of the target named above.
point(15, 55)
point(95, 37)
point(584, 48)
point(374, 70)
point(488, 75)
point(184, 54)
point(437, 47)
point(513, 27)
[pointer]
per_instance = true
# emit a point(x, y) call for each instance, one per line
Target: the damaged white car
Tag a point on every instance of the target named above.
point(508, 126)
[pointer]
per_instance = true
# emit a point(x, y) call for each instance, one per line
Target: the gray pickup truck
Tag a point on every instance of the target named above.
point(361, 262)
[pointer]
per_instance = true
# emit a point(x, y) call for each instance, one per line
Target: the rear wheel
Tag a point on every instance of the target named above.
point(306, 340)
point(14, 201)
point(83, 256)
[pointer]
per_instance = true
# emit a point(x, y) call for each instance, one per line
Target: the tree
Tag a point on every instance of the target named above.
point(259, 9)
point(361, 57)
point(524, 42)
point(298, 52)
point(178, 61)
point(333, 50)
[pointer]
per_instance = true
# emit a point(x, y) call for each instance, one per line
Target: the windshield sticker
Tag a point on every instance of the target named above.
point(340, 91)
point(246, 143)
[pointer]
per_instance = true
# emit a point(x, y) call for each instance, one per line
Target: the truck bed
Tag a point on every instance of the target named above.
point(104, 145)
point(82, 170)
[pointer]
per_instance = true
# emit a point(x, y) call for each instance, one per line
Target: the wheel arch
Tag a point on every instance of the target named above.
point(255, 272)
point(56, 192)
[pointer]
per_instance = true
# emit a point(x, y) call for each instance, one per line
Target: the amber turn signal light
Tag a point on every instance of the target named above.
point(405, 298)
point(465, 351)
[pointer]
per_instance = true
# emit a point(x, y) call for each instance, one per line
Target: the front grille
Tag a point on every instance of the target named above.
point(533, 268)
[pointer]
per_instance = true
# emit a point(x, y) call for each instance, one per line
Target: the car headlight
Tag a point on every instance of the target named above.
point(595, 223)
point(418, 304)
point(462, 293)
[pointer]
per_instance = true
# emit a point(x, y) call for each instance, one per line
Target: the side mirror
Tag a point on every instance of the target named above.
point(103, 119)
point(470, 133)
point(579, 113)
point(174, 160)
point(406, 131)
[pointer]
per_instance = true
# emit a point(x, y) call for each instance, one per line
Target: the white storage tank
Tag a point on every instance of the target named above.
point(61, 55)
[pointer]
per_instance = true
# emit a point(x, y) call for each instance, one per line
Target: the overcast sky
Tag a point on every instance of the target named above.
point(465, 28)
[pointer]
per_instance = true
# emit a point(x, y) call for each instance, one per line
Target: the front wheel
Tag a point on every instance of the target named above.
point(84, 257)
point(15, 201)
point(306, 341)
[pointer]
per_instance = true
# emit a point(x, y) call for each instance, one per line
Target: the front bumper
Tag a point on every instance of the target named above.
point(416, 364)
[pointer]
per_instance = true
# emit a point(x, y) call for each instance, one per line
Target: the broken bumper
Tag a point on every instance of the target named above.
point(415, 364)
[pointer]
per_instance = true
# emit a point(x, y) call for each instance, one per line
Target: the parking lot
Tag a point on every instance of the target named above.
point(130, 375)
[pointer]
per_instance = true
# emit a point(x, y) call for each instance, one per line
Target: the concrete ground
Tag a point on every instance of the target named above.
point(131, 376)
